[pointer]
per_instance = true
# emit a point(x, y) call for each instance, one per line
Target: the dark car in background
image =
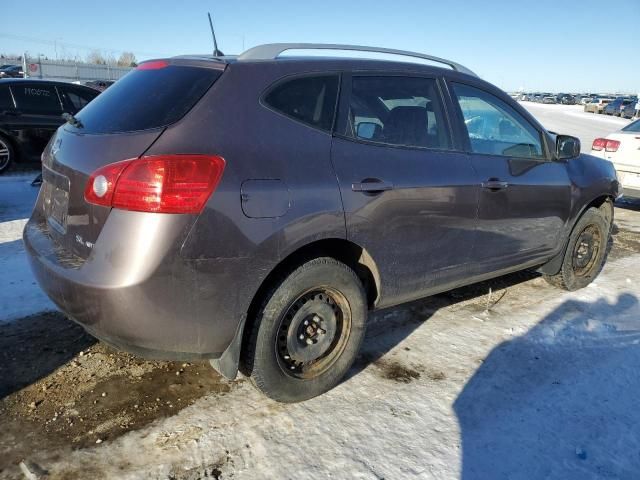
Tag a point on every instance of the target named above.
point(11, 71)
point(616, 106)
point(629, 110)
point(100, 85)
point(252, 210)
point(31, 111)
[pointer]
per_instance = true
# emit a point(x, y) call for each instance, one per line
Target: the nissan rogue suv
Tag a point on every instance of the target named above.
point(252, 210)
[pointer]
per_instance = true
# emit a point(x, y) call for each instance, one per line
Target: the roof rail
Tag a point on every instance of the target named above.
point(271, 51)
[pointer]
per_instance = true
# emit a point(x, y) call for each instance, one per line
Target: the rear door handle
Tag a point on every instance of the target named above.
point(371, 186)
point(494, 185)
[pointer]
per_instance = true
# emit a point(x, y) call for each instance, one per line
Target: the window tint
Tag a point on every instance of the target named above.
point(6, 102)
point(77, 98)
point(147, 98)
point(311, 100)
point(397, 111)
point(494, 127)
point(632, 127)
point(36, 98)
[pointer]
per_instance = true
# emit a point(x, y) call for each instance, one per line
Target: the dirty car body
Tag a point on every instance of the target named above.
point(412, 213)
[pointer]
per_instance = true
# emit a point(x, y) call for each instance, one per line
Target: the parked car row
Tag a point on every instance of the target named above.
point(31, 111)
point(617, 105)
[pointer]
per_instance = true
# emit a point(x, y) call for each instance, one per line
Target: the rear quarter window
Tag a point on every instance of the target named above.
point(309, 99)
point(36, 99)
point(6, 102)
point(77, 98)
point(147, 98)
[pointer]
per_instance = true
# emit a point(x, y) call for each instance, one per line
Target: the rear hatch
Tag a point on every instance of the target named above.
point(120, 124)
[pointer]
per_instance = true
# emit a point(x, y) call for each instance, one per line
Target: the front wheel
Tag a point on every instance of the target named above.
point(586, 251)
point(308, 331)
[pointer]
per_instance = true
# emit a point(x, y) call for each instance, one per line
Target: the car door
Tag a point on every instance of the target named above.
point(37, 115)
point(409, 196)
point(525, 197)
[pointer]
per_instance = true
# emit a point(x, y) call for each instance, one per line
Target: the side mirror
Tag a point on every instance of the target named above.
point(567, 147)
point(367, 130)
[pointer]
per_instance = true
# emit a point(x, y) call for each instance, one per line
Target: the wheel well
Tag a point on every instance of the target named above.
point(14, 145)
point(604, 203)
point(343, 250)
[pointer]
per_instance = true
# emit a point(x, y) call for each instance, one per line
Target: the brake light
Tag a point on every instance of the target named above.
point(612, 145)
point(159, 184)
point(153, 65)
point(599, 144)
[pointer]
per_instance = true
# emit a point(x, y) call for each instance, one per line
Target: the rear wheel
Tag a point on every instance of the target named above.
point(307, 332)
point(586, 251)
point(6, 154)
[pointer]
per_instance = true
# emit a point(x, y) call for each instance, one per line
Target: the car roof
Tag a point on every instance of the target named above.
point(17, 81)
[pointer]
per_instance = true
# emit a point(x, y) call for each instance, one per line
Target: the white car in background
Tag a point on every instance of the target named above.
point(622, 148)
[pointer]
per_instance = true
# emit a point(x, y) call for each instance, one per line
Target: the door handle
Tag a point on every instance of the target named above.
point(494, 185)
point(371, 186)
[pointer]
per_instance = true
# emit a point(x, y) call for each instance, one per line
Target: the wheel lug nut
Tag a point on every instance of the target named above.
point(306, 322)
point(287, 357)
point(316, 318)
point(309, 341)
point(321, 331)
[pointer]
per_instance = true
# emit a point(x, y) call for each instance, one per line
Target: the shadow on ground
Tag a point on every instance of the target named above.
point(559, 402)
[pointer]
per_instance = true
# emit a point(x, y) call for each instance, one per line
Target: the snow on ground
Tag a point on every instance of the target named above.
point(19, 294)
point(542, 385)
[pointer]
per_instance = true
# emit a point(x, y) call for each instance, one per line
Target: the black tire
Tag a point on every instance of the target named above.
point(330, 297)
point(586, 251)
point(7, 154)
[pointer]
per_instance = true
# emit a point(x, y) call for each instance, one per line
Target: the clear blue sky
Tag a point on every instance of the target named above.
point(555, 45)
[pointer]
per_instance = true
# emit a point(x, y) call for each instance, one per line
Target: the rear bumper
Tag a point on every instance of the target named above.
point(149, 301)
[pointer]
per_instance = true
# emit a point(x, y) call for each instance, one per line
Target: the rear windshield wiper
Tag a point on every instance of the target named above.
point(72, 120)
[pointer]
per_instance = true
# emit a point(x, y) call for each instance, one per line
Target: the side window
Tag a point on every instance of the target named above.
point(76, 98)
point(311, 100)
point(494, 127)
point(34, 98)
point(398, 111)
point(6, 102)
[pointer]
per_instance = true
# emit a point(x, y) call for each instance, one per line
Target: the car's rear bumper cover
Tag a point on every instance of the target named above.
point(169, 308)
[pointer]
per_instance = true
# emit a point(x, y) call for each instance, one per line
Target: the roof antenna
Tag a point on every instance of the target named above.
point(216, 52)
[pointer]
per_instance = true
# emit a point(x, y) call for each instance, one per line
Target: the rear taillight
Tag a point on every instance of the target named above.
point(599, 144)
point(159, 184)
point(612, 145)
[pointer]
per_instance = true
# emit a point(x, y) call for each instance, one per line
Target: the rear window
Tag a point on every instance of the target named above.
point(36, 99)
point(146, 99)
point(311, 99)
point(632, 127)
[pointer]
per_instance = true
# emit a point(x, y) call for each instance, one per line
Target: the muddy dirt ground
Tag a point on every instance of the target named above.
point(60, 389)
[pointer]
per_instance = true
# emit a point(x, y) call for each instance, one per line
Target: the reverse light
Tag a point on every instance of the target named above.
point(159, 184)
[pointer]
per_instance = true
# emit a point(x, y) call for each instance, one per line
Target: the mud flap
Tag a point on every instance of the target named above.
point(227, 364)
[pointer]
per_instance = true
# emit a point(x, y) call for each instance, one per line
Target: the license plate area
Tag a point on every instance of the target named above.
point(629, 179)
point(56, 199)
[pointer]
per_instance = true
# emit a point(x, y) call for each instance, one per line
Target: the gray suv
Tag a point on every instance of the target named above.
point(252, 210)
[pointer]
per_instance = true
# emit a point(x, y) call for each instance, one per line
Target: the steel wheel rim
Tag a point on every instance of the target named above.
point(297, 357)
point(5, 155)
point(586, 250)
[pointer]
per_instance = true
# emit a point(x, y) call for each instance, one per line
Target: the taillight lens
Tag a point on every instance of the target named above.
point(612, 145)
point(599, 144)
point(159, 184)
